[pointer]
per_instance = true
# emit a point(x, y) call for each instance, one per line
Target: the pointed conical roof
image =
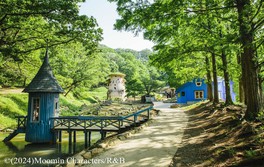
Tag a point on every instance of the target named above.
point(44, 81)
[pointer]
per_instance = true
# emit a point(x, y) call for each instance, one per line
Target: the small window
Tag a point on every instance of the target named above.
point(199, 94)
point(35, 109)
point(182, 93)
point(114, 87)
point(198, 83)
point(56, 107)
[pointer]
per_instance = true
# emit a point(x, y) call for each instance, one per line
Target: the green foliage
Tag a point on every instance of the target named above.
point(26, 25)
point(58, 20)
point(250, 153)
point(75, 68)
point(185, 32)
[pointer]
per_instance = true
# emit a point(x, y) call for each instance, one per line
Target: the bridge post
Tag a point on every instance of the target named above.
point(103, 135)
point(70, 141)
point(148, 114)
point(70, 137)
point(89, 141)
point(135, 118)
point(85, 139)
point(74, 136)
point(59, 135)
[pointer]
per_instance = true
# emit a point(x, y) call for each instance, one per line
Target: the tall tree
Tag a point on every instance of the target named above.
point(209, 78)
point(247, 28)
point(74, 67)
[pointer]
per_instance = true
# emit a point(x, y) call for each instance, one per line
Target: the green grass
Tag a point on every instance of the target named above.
point(12, 105)
point(7, 122)
point(15, 104)
point(100, 93)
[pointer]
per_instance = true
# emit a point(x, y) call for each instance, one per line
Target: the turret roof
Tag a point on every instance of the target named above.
point(44, 81)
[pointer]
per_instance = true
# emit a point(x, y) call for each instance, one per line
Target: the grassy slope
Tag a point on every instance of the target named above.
point(14, 104)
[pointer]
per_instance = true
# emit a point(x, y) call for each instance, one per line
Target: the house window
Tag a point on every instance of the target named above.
point(182, 93)
point(198, 83)
point(35, 109)
point(56, 107)
point(199, 94)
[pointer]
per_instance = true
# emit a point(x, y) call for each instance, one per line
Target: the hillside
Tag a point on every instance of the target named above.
point(218, 136)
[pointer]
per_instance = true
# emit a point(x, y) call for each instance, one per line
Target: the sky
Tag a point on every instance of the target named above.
point(105, 13)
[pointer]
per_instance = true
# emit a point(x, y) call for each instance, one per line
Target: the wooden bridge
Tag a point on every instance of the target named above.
point(89, 124)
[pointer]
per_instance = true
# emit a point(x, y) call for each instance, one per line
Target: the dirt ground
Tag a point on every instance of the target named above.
point(10, 90)
point(218, 136)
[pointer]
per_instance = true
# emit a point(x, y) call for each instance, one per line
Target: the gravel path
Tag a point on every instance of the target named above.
point(154, 146)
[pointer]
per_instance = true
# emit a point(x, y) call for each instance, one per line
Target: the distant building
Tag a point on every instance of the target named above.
point(116, 87)
point(222, 91)
point(196, 90)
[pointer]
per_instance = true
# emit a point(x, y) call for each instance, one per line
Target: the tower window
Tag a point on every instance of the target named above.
point(35, 109)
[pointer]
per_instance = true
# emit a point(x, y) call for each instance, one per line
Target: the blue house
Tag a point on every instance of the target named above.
point(222, 91)
point(192, 92)
point(43, 103)
point(196, 90)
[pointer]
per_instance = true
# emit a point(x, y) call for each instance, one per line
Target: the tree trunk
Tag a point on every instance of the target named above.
point(24, 82)
point(249, 65)
point(261, 90)
point(216, 98)
point(226, 77)
point(209, 80)
point(240, 83)
point(241, 91)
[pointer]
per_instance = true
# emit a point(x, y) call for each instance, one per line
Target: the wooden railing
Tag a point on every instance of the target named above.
point(21, 122)
point(100, 123)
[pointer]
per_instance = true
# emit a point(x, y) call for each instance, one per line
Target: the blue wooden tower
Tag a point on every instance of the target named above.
point(43, 103)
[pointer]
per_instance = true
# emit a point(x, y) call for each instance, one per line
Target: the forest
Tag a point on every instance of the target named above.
point(206, 38)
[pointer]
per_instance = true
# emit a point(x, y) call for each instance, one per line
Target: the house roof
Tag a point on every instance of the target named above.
point(117, 74)
point(44, 81)
point(183, 86)
point(188, 84)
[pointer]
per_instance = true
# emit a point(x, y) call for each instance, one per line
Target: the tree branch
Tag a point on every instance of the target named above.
point(209, 9)
point(3, 18)
point(44, 46)
point(29, 13)
point(260, 44)
point(258, 24)
point(257, 11)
